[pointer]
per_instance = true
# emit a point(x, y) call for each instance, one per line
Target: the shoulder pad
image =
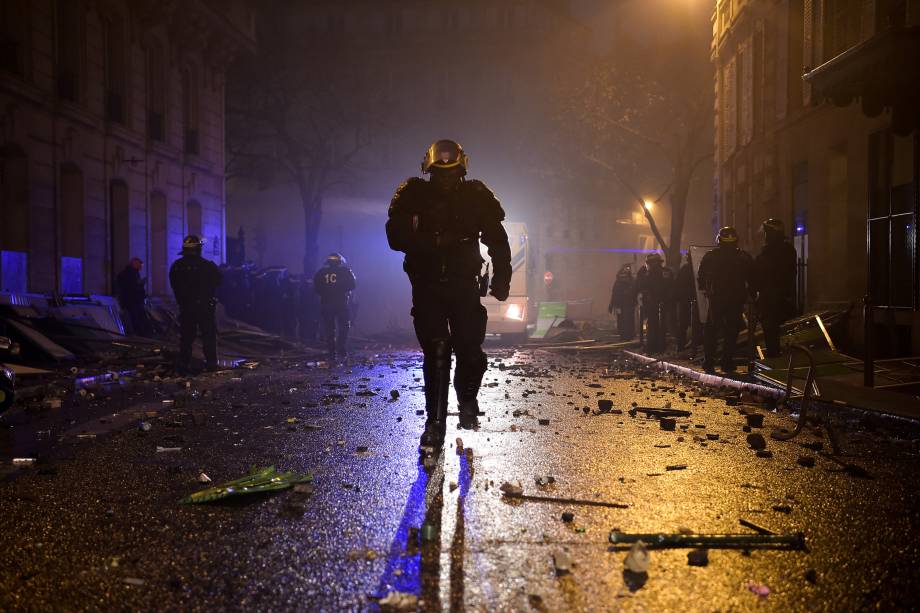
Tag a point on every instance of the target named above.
point(476, 185)
point(486, 199)
point(409, 185)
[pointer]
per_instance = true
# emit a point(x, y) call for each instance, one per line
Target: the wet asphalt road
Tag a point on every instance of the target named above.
point(95, 524)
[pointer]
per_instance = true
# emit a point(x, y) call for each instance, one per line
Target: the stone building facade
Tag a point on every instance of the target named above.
point(839, 167)
point(111, 136)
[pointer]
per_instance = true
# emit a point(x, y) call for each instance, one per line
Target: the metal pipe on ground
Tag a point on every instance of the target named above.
point(706, 379)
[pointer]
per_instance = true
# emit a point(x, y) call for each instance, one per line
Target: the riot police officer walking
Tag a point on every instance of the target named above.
point(725, 278)
point(623, 301)
point(439, 224)
point(774, 280)
point(194, 281)
point(655, 284)
point(334, 283)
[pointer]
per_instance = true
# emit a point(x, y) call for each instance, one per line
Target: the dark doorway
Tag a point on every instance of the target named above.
point(119, 227)
point(159, 246)
point(72, 235)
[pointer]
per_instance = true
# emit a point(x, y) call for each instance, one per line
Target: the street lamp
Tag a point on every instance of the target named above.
point(648, 204)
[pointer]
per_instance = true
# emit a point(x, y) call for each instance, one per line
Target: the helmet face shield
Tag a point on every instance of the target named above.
point(445, 155)
point(774, 226)
point(727, 236)
point(191, 243)
point(335, 259)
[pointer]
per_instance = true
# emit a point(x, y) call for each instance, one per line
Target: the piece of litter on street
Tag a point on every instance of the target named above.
point(167, 449)
point(562, 562)
point(23, 461)
point(511, 489)
point(203, 478)
point(637, 559)
point(265, 479)
point(758, 588)
point(698, 557)
point(544, 479)
point(87, 435)
point(400, 601)
point(134, 581)
point(676, 467)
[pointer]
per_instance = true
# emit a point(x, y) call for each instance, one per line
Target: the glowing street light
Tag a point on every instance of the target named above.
point(648, 204)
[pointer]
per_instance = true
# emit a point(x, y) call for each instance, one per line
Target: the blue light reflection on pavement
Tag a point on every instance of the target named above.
point(409, 578)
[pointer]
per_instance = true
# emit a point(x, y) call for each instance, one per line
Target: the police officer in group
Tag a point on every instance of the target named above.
point(684, 296)
point(623, 299)
point(775, 271)
point(725, 276)
point(132, 297)
point(439, 224)
point(194, 282)
point(334, 283)
point(655, 285)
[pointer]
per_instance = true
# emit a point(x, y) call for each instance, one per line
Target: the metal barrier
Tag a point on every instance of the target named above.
point(809, 392)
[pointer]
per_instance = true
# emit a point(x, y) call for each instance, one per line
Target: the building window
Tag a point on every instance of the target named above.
point(394, 21)
point(841, 26)
point(69, 48)
point(72, 235)
point(892, 219)
point(193, 215)
point(190, 110)
point(15, 26)
point(14, 219)
point(156, 93)
point(115, 70)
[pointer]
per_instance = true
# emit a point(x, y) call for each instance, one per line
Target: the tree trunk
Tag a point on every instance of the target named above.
point(678, 212)
point(311, 237)
point(312, 207)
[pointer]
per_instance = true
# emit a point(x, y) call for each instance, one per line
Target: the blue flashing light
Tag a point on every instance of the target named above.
point(800, 229)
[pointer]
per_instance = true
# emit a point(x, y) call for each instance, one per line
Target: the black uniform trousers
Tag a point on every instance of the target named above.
point(626, 322)
point(335, 316)
point(657, 314)
point(195, 319)
point(723, 322)
point(773, 313)
point(450, 310)
point(684, 312)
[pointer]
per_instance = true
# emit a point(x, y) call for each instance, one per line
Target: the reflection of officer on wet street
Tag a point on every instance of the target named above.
point(655, 284)
point(774, 281)
point(334, 283)
point(439, 224)
point(725, 277)
point(194, 281)
point(623, 301)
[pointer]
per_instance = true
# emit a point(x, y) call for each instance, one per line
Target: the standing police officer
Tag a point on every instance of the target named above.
point(775, 269)
point(725, 277)
point(655, 283)
point(438, 224)
point(194, 281)
point(684, 296)
point(623, 299)
point(334, 283)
